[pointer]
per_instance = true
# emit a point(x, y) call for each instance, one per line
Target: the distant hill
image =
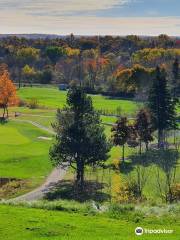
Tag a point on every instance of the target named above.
point(53, 36)
point(33, 36)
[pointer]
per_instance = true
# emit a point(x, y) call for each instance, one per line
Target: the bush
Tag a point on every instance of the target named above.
point(123, 191)
point(33, 103)
point(22, 103)
point(119, 111)
point(176, 192)
point(119, 210)
point(11, 188)
point(60, 205)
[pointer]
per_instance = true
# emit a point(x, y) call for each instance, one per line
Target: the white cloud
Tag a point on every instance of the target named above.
point(65, 16)
point(62, 6)
point(20, 23)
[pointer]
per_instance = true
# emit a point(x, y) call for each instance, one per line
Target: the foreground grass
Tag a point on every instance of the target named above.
point(26, 223)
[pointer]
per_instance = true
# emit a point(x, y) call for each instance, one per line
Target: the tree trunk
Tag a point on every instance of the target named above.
point(147, 146)
point(4, 110)
point(82, 177)
point(140, 147)
point(174, 136)
point(19, 82)
point(139, 180)
point(78, 176)
point(123, 152)
point(80, 173)
point(7, 112)
point(160, 139)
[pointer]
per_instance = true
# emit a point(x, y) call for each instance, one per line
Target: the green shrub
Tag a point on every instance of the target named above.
point(118, 210)
point(22, 103)
point(176, 192)
point(11, 188)
point(33, 103)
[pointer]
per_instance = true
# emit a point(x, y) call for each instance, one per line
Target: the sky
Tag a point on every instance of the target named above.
point(90, 17)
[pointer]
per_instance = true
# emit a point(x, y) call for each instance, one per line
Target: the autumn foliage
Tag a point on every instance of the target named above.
point(8, 96)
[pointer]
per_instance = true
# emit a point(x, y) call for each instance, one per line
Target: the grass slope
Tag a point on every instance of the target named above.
point(53, 98)
point(27, 224)
point(22, 154)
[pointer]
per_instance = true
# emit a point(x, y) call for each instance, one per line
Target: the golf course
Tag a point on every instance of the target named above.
point(89, 120)
point(25, 165)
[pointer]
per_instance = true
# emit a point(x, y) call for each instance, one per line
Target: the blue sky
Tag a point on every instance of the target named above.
point(86, 17)
point(144, 8)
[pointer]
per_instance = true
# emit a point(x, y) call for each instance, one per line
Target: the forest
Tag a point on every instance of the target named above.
point(117, 66)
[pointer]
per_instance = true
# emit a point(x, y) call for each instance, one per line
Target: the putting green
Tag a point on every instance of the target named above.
point(22, 154)
point(11, 136)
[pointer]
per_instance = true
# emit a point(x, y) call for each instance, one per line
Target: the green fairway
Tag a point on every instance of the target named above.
point(53, 98)
point(27, 224)
point(23, 155)
point(17, 138)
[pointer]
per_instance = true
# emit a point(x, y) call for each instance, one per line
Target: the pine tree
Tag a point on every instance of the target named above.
point(175, 81)
point(162, 106)
point(175, 88)
point(80, 138)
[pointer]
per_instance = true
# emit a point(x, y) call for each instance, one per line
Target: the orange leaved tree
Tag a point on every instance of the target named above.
point(8, 96)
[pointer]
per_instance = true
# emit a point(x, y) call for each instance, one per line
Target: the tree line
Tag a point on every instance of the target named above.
point(122, 66)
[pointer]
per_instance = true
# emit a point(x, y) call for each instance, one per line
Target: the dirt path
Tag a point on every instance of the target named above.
point(55, 176)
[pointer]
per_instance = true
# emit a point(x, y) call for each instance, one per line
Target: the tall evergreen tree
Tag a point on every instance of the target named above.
point(175, 88)
point(80, 138)
point(175, 81)
point(162, 106)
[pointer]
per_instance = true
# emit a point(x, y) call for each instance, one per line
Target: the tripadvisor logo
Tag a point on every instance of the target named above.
point(139, 231)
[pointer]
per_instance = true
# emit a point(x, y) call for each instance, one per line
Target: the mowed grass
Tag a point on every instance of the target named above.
point(17, 138)
point(27, 224)
point(42, 117)
point(46, 117)
point(22, 154)
point(53, 98)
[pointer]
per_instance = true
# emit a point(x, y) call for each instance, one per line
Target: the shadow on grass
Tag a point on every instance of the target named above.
point(158, 157)
point(3, 120)
point(164, 159)
point(126, 167)
point(69, 190)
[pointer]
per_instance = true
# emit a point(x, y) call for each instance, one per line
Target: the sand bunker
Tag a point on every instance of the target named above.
point(45, 138)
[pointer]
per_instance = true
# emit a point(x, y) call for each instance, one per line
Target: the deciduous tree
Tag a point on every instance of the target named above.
point(144, 127)
point(8, 96)
point(55, 53)
point(121, 133)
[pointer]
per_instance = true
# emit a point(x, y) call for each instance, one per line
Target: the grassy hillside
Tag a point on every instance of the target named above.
point(35, 165)
point(53, 98)
point(26, 223)
point(23, 155)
